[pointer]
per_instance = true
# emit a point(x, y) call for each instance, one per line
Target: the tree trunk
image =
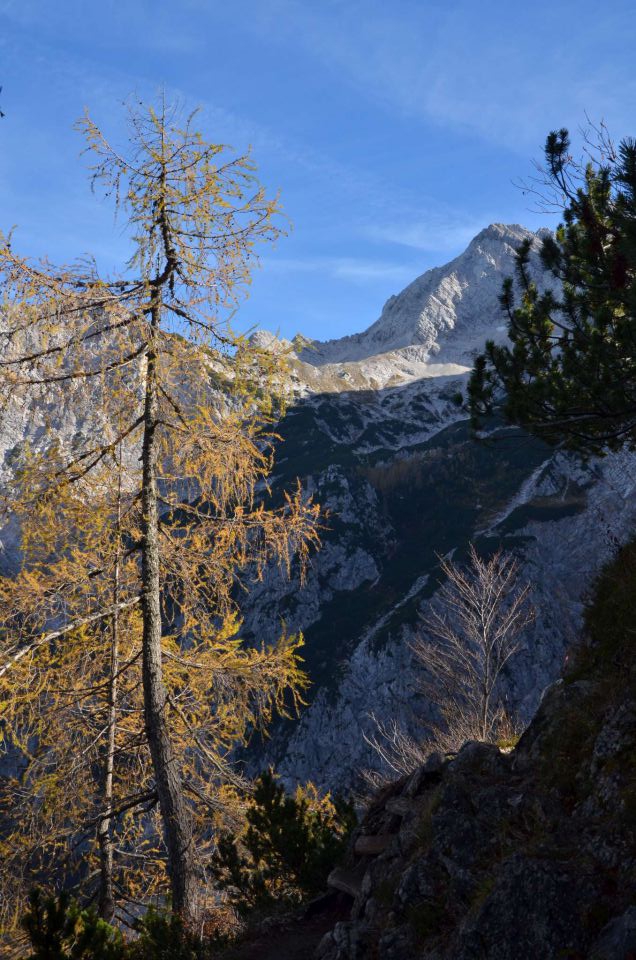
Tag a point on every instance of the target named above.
point(174, 812)
point(104, 831)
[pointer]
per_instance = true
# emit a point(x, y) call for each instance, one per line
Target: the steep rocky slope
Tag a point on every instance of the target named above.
point(520, 856)
point(405, 482)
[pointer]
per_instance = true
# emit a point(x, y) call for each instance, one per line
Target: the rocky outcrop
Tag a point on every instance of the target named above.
point(393, 510)
point(515, 856)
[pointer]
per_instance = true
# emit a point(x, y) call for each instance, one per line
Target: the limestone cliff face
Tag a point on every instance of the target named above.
point(392, 513)
point(518, 856)
point(377, 438)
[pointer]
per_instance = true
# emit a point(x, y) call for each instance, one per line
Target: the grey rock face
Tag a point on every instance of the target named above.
point(510, 857)
point(376, 437)
point(444, 313)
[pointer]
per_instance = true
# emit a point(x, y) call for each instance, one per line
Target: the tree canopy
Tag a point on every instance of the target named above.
point(152, 511)
point(568, 373)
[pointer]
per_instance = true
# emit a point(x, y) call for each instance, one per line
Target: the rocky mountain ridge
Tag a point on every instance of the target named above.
point(445, 311)
point(382, 445)
point(431, 329)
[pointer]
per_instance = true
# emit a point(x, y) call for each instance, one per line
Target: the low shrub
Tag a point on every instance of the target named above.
point(59, 929)
point(290, 844)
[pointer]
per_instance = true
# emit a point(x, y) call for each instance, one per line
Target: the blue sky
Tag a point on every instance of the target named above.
point(394, 131)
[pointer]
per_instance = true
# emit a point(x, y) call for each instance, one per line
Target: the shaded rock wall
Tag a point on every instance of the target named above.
point(518, 856)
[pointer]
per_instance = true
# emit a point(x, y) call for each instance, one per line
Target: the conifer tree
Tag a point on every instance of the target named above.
point(181, 411)
point(569, 373)
point(289, 844)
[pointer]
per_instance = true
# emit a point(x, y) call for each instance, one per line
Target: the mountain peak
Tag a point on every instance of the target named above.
point(501, 232)
point(445, 314)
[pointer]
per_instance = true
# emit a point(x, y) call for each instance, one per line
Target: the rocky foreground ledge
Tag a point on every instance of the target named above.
point(530, 854)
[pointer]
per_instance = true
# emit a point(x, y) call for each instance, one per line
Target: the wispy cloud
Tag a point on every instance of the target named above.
point(350, 269)
point(500, 72)
point(436, 234)
point(377, 210)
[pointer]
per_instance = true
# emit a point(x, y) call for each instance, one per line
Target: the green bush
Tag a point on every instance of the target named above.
point(59, 930)
point(288, 848)
point(163, 936)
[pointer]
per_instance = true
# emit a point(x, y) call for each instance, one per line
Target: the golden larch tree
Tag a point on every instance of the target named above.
point(152, 506)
